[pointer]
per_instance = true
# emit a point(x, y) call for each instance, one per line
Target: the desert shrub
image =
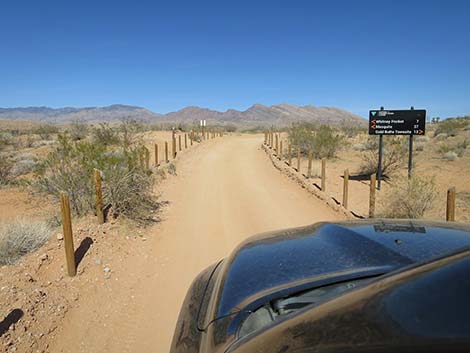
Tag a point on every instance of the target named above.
point(46, 130)
point(28, 141)
point(230, 128)
point(393, 153)
point(23, 166)
point(129, 193)
point(450, 156)
point(409, 198)
point(78, 130)
point(105, 134)
point(451, 126)
point(6, 139)
point(448, 151)
point(443, 148)
point(21, 237)
point(128, 132)
point(197, 138)
point(6, 164)
point(352, 131)
point(441, 136)
point(69, 168)
point(419, 146)
point(323, 141)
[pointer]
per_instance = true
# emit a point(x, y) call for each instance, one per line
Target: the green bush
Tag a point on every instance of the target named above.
point(323, 141)
point(451, 126)
point(78, 130)
point(6, 164)
point(46, 130)
point(6, 139)
point(128, 186)
point(105, 134)
point(409, 198)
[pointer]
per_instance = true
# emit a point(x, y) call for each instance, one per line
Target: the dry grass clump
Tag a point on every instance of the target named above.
point(20, 237)
point(409, 198)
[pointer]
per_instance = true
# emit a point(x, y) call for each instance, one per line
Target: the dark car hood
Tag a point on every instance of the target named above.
point(300, 255)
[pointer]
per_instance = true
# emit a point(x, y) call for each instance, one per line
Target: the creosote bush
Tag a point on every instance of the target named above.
point(451, 126)
point(322, 140)
point(409, 198)
point(393, 153)
point(6, 164)
point(105, 134)
point(21, 237)
point(78, 130)
point(128, 186)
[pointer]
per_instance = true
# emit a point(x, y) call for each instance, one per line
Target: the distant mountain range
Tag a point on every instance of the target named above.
point(258, 114)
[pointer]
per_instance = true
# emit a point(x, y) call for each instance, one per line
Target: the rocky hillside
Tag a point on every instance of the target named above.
point(258, 114)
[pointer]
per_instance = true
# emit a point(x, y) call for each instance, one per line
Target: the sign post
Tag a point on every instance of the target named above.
point(396, 122)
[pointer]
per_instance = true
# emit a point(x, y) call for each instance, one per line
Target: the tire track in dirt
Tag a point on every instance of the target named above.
point(225, 191)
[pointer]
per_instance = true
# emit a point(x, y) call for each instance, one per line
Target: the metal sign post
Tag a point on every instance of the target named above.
point(410, 153)
point(396, 122)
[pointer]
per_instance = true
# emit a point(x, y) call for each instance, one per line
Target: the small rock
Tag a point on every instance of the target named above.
point(29, 278)
point(106, 270)
point(98, 261)
point(60, 236)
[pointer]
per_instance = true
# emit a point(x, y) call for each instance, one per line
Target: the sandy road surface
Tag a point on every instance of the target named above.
point(226, 190)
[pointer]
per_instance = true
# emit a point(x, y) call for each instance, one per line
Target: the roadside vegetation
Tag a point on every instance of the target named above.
point(20, 237)
point(322, 140)
point(117, 153)
point(409, 198)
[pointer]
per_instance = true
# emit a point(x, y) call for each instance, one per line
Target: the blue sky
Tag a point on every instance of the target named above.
point(356, 55)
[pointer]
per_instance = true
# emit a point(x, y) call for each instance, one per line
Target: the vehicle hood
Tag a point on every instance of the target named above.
point(275, 261)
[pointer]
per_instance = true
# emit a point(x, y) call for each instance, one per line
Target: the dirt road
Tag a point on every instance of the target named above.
point(225, 191)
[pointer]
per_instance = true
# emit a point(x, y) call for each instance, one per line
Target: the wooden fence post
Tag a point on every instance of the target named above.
point(173, 144)
point(99, 196)
point(68, 236)
point(191, 137)
point(166, 152)
point(147, 158)
point(277, 144)
point(156, 154)
point(345, 188)
point(450, 209)
point(265, 138)
point(290, 155)
point(179, 143)
point(309, 170)
point(298, 160)
point(280, 150)
point(185, 141)
point(323, 174)
point(373, 180)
